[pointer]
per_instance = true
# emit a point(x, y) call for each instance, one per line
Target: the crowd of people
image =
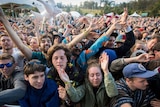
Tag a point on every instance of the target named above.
point(80, 61)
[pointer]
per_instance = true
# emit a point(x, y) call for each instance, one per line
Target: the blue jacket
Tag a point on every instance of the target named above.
point(45, 97)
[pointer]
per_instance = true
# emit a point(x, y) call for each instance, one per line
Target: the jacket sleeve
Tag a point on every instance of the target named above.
point(76, 94)
point(14, 94)
point(86, 54)
point(110, 85)
point(130, 41)
point(117, 65)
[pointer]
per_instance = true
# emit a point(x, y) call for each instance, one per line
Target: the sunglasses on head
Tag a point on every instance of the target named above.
point(34, 62)
point(7, 65)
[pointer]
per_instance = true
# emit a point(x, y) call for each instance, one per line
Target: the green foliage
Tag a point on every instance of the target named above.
point(149, 6)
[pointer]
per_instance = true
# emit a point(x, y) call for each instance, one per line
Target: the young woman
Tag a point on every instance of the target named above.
point(97, 89)
point(59, 56)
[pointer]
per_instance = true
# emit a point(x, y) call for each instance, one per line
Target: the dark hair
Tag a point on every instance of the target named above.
point(32, 66)
point(4, 34)
point(156, 47)
point(46, 36)
point(56, 47)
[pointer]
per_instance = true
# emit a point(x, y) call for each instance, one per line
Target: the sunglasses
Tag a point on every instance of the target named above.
point(34, 62)
point(7, 65)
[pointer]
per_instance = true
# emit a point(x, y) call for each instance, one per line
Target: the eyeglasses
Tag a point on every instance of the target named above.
point(7, 65)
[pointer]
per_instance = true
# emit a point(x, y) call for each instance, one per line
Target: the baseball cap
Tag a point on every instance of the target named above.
point(120, 38)
point(111, 53)
point(137, 70)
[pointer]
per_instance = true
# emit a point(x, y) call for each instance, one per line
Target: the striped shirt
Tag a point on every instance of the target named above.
point(137, 98)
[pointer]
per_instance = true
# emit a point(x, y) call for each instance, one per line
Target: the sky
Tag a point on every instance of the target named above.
point(77, 2)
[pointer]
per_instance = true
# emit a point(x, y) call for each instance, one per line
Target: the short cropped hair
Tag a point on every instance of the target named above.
point(32, 66)
point(4, 34)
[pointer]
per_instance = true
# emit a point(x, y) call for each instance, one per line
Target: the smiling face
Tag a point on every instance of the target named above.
point(36, 80)
point(6, 43)
point(59, 59)
point(110, 43)
point(95, 76)
point(45, 44)
point(34, 44)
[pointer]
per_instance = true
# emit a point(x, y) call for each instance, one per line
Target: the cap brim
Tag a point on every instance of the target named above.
point(146, 74)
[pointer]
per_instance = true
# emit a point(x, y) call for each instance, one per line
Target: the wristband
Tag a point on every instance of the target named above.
point(68, 82)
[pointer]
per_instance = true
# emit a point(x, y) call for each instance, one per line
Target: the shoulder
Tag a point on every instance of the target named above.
point(18, 75)
point(51, 83)
point(40, 56)
point(122, 86)
point(37, 53)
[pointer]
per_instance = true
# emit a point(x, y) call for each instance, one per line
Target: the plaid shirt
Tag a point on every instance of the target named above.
point(137, 98)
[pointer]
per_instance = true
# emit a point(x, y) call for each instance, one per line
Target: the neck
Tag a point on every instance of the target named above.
point(7, 76)
point(10, 51)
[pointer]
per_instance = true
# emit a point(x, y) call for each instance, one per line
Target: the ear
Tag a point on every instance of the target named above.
point(26, 77)
point(129, 80)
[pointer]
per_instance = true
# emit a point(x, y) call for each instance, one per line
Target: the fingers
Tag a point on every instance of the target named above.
point(62, 92)
point(155, 103)
point(103, 57)
point(60, 71)
point(69, 26)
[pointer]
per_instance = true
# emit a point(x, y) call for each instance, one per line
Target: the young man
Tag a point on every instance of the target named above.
point(45, 42)
point(41, 92)
point(8, 47)
point(12, 87)
point(133, 90)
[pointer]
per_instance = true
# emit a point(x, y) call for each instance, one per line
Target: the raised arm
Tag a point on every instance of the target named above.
point(118, 64)
point(69, 27)
point(79, 37)
point(24, 49)
point(109, 81)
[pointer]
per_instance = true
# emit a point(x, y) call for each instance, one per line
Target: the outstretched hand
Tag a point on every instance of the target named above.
point(124, 15)
point(104, 60)
point(144, 57)
point(69, 27)
point(118, 25)
point(95, 24)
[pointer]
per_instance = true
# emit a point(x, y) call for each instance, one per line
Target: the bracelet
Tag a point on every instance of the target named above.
point(68, 82)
